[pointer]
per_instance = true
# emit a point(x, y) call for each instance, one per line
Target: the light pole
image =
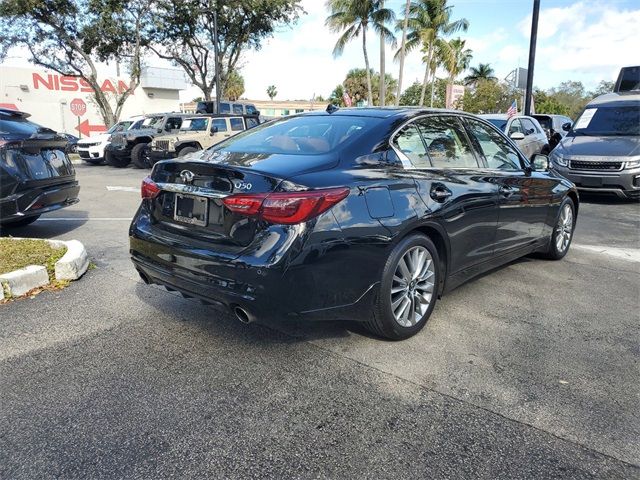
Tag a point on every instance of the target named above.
point(532, 57)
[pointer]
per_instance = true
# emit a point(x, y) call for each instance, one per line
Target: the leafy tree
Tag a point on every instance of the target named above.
point(235, 86)
point(356, 85)
point(572, 95)
point(336, 97)
point(489, 96)
point(184, 34)
point(272, 91)
point(458, 58)
point(605, 86)
point(70, 37)
point(411, 96)
point(352, 18)
point(429, 22)
point(482, 72)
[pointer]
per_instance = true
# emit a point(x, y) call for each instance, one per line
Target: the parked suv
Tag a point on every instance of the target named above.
point(601, 153)
point(524, 130)
point(36, 175)
point(197, 133)
point(92, 149)
point(131, 146)
point(228, 107)
point(554, 126)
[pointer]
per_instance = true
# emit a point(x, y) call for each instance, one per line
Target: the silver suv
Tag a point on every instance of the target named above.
point(601, 153)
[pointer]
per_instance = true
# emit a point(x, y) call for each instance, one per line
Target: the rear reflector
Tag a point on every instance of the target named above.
point(149, 188)
point(286, 208)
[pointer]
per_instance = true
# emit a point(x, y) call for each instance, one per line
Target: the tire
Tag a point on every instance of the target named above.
point(23, 222)
point(118, 162)
point(186, 150)
point(93, 162)
point(383, 322)
point(556, 249)
point(138, 156)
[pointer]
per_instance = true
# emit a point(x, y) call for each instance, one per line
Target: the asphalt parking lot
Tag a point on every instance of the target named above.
point(530, 371)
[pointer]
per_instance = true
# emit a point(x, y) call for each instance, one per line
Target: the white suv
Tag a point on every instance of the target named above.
point(92, 149)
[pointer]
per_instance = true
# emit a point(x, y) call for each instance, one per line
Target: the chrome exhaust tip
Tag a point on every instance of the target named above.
point(243, 315)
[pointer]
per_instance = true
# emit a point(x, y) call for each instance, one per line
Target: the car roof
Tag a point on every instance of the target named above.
point(382, 112)
point(621, 99)
point(9, 112)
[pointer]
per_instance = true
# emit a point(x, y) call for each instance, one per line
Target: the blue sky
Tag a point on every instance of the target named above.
point(586, 40)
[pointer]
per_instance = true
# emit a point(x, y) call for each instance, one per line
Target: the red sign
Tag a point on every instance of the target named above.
point(78, 107)
point(85, 129)
point(75, 84)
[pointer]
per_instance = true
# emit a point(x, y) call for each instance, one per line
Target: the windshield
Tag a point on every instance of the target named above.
point(498, 123)
point(120, 126)
point(610, 120)
point(153, 122)
point(305, 135)
point(195, 124)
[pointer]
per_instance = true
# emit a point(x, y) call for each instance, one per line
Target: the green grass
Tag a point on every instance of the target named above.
point(16, 254)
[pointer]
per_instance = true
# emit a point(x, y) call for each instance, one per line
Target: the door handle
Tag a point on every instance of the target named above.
point(506, 190)
point(440, 193)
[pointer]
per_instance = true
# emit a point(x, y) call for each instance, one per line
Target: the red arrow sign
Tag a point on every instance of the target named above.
point(85, 129)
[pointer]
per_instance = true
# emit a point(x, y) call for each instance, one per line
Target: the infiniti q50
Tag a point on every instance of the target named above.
point(356, 214)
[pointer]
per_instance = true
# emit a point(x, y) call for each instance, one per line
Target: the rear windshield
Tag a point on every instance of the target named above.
point(609, 121)
point(305, 135)
point(498, 123)
point(20, 126)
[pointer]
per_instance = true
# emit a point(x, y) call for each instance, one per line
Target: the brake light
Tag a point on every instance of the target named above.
point(286, 208)
point(149, 188)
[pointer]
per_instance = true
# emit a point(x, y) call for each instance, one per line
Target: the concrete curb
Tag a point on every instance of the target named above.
point(73, 264)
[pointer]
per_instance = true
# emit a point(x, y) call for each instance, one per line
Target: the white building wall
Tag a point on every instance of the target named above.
point(47, 96)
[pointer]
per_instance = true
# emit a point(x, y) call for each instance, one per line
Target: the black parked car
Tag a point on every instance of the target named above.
point(72, 145)
point(362, 214)
point(36, 175)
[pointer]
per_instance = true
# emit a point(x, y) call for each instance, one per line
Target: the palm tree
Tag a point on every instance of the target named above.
point(405, 22)
point(353, 17)
point(458, 58)
point(482, 72)
point(428, 22)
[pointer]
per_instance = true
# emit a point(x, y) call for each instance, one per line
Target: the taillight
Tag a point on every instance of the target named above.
point(286, 207)
point(149, 188)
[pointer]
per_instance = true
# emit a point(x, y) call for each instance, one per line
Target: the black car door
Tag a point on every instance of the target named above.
point(452, 186)
point(524, 196)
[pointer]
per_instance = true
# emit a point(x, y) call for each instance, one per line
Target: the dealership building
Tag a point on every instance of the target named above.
point(65, 104)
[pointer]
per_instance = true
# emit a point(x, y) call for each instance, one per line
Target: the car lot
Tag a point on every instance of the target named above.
point(530, 371)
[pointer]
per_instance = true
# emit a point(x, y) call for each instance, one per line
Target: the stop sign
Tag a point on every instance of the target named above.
point(78, 107)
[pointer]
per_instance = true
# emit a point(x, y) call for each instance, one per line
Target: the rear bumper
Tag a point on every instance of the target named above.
point(38, 200)
point(267, 289)
point(624, 183)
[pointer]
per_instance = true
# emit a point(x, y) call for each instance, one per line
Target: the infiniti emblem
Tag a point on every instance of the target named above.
point(187, 176)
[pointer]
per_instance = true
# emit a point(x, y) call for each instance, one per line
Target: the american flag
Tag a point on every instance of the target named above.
point(513, 110)
point(347, 99)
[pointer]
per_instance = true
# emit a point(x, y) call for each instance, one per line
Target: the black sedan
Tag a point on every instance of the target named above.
point(36, 175)
point(359, 214)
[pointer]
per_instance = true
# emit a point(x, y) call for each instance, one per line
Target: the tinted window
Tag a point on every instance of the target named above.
point(447, 144)
point(251, 110)
point(219, 125)
point(173, 123)
point(195, 124)
point(610, 120)
point(545, 122)
point(237, 109)
point(237, 125)
point(153, 122)
point(305, 135)
point(119, 127)
point(501, 124)
point(137, 125)
point(225, 107)
point(252, 122)
point(528, 126)
point(494, 147)
point(409, 141)
point(18, 125)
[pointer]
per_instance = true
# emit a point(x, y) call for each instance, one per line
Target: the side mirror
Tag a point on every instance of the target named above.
point(517, 136)
point(540, 162)
point(159, 130)
point(566, 126)
point(214, 130)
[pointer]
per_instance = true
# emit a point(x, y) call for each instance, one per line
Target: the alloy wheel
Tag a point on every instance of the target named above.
point(564, 228)
point(412, 286)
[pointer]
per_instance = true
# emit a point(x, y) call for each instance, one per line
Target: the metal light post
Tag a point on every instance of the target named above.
point(532, 57)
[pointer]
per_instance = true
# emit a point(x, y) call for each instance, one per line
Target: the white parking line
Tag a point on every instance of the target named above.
point(631, 254)
point(116, 188)
point(84, 219)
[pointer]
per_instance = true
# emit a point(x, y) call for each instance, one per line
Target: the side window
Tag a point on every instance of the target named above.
point(494, 147)
point(219, 125)
point(515, 127)
point(237, 109)
point(225, 107)
point(173, 123)
point(409, 141)
point(237, 124)
point(252, 122)
point(447, 143)
point(528, 126)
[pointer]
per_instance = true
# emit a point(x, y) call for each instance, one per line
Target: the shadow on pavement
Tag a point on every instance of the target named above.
point(47, 229)
point(605, 199)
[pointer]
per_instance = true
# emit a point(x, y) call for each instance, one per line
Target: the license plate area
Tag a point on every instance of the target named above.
point(591, 181)
point(191, 209)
